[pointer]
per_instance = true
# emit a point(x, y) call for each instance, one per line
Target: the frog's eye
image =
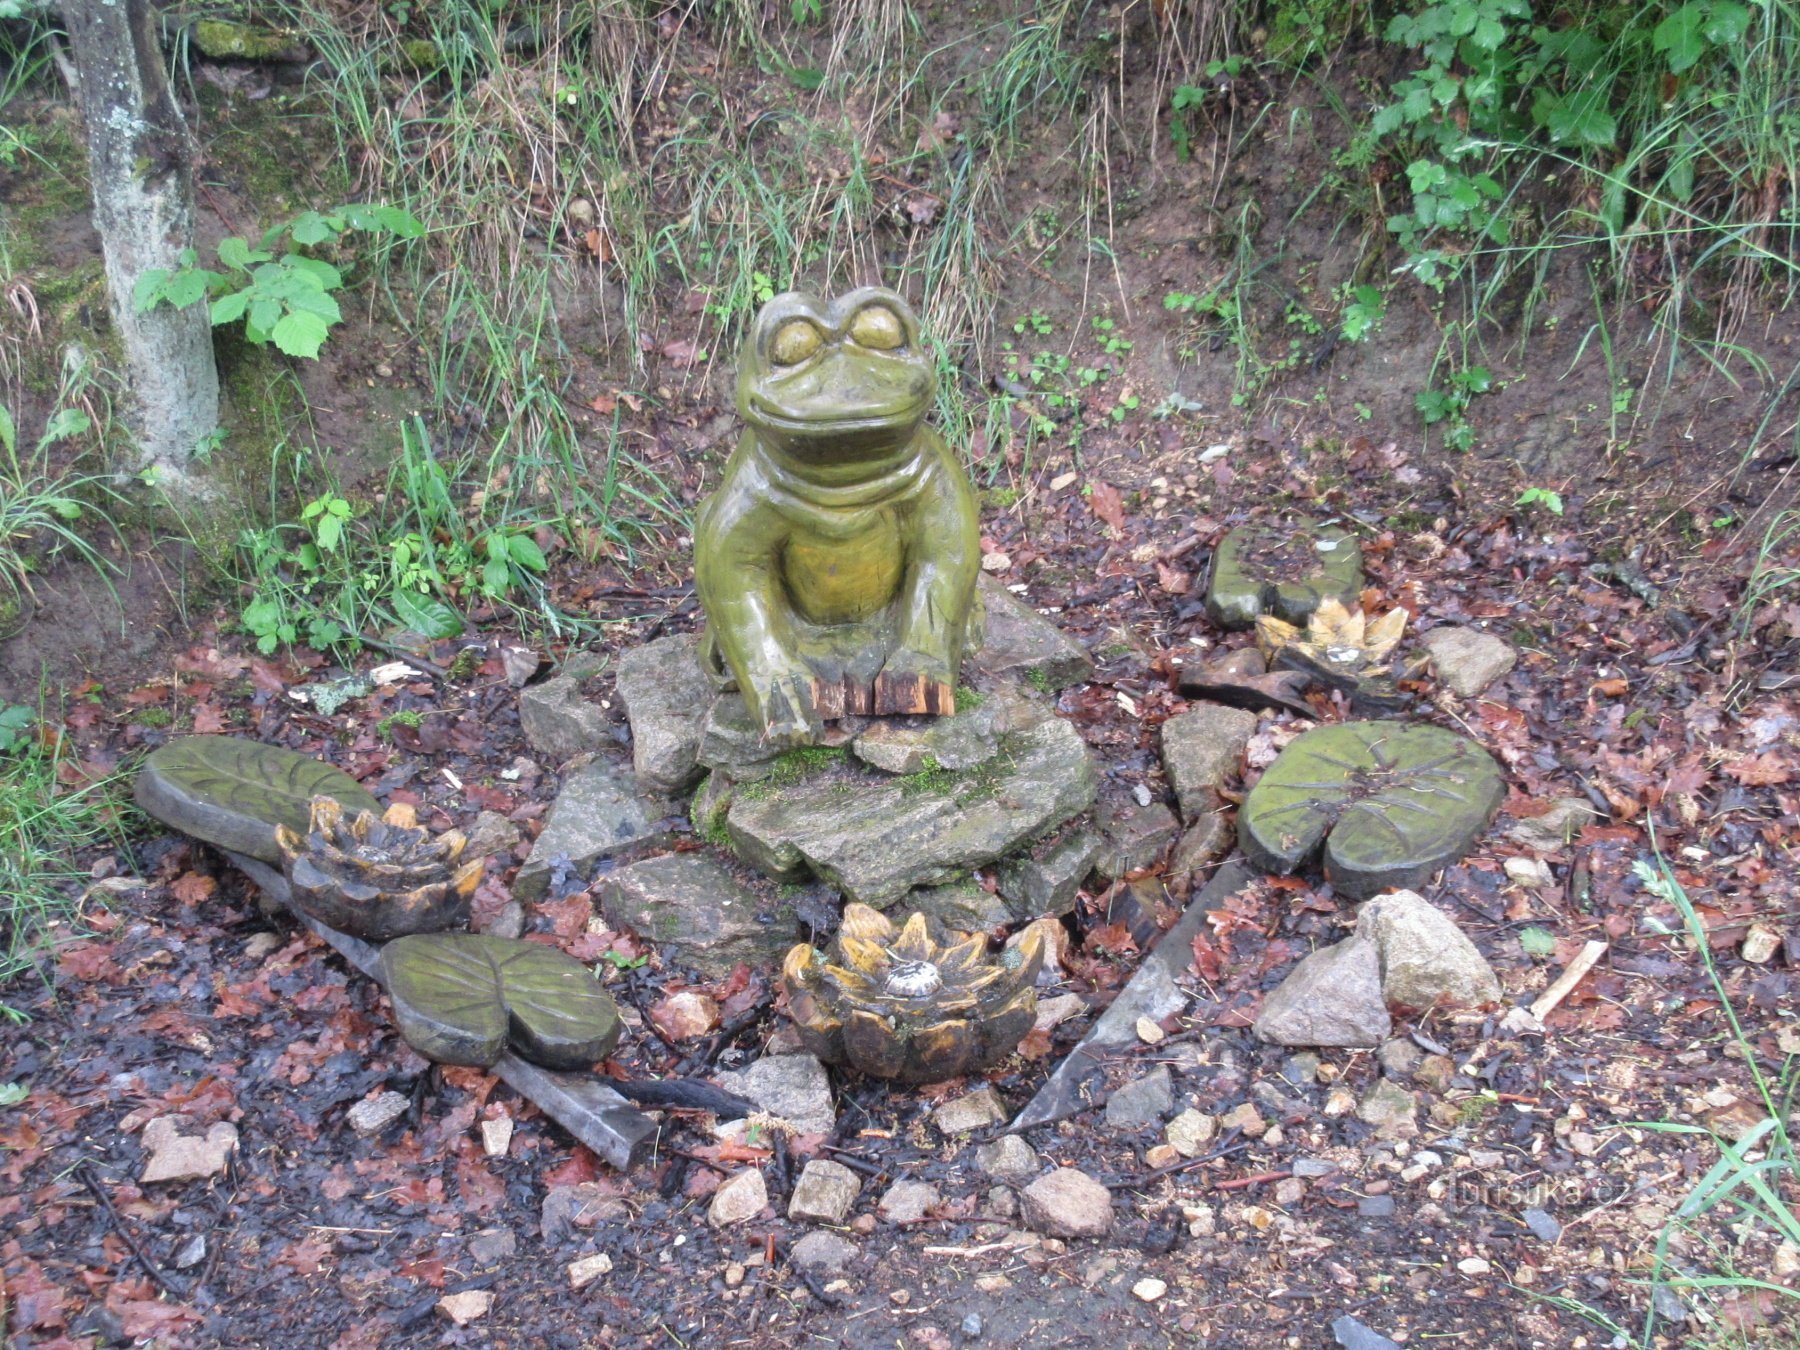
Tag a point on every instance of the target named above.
point(877, 327)
point(794, 342)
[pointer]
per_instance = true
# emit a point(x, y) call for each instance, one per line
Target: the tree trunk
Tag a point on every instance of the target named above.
point(140, 159)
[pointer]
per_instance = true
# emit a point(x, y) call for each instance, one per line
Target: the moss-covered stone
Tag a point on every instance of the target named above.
point(223, 40)
point(1385, 805)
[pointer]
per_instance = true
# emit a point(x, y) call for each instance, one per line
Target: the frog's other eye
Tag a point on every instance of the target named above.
point(877, 327)
point(794, 342)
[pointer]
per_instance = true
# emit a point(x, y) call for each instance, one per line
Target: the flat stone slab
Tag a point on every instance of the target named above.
point(232, 793)
point(1017, 640)
point(731, 741)
point(876, 838)
point(1134, 837)
point(666, 695)
point(1467, 659)
point(697, 912)
point(1049, 882)
point(794, 1088)
point(1385, 804)
point(599, 812)
point(1284, 569)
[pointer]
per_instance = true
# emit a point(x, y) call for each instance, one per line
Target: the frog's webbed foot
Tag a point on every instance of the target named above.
point(790, 717)
point(912, 682)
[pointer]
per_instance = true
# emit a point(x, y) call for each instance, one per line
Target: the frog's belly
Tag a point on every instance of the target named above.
point(845, 580)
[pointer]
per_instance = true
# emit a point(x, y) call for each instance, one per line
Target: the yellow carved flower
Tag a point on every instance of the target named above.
point(898, 1005)
point(377, 877)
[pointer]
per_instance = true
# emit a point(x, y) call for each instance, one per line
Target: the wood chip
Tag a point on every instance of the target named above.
point(1552, 997)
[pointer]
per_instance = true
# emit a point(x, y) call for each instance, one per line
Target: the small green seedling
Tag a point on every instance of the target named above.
point(1547, 498)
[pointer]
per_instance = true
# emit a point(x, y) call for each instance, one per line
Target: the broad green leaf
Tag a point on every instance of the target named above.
point(323, 274)
point(229, 307)
point(331, 531)
point(496, 577)
point(401, 223)
point(265, 313)
point(300, 334)
point(9, 434)
point(1679, 36)
point(148, 290)
point(1727, 22)
point(234, 252)
point(316, 302)
point(66, 423)
point(187, 287)
point(426, 616)
point(526, 553)
point(310, 227)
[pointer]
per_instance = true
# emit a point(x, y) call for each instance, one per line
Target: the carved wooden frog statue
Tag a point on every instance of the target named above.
point(837, 560)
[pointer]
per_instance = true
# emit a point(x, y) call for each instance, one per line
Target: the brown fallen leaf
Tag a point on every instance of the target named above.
point(1106, 504)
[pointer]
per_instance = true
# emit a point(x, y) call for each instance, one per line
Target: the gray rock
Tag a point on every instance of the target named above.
point(824, 1252)
point(598, 813)
point(1399, 1057)
point(491, 1246)
point(559, 721)
point(1008, 1158)
point(666, 695)
point(1067, 1203)
point(1192, 1132)
point(1142, 1102)
point(1049, 882)
point(1300, 1069)
point(1391, 1109)
point(876, 838)
point(1135, 837)
point(824, 1193)
point(1019, 641)
point(1555, 827)
point(793, 1088)
point(731, 741)
point(1426, 961)
point(1209, 837)
point(1313, 1167)
point(739, 1200)
point(1333, 997)
point(962, 907)
point(491, 836)
point(374, 1114)
point(1201, 748)
point(1001, 1203)
point(1375, 1207)
point(972, 1111)
point(1542, 1225)
point(1353, 1335)
point(693, 908)
point(567, 1208)
point(954, 743)
point(1467, 660)
point(908, 1201)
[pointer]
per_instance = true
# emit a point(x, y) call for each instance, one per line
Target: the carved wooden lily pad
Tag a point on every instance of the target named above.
point(1282, 569)
point(232, 793)
point(1386, 804)
point(462, 998)
point(377, 878)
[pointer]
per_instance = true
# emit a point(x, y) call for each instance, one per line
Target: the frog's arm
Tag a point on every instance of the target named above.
point(737, 558)
point(943, 558)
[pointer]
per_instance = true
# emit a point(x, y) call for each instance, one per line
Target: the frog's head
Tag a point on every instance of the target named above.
point(839, 384)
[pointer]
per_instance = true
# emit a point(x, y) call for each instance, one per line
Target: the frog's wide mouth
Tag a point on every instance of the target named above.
point(900, 418)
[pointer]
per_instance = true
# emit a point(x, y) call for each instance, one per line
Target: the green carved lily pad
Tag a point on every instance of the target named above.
point(1269, 567)
point(232, 793)
point(462, 998)
point(1386, 804)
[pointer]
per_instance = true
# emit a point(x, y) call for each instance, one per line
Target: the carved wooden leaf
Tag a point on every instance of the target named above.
point(232, 792)
point(1385, 804)
point(461, 998)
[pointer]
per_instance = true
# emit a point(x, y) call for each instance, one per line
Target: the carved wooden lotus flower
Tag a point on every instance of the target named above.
point(898, 1005)
point(377, 877)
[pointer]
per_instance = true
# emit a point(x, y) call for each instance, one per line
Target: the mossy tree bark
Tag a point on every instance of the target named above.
point(140, 159)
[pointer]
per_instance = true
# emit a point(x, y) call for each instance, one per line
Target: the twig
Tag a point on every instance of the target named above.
point(1240, 1183)
point(85, 1173)
point(1553, 996)
point(430, 668)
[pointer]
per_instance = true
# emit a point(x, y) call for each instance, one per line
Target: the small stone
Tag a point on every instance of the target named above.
point(1136, 837)
point(1399, 1057)
point(1333, 997)
point(1391, 1109)
point(261, 944)
point(1426, 961)
point(1466, 660)
point(372, 1115)
point(1161, 1155)
point(599, 812)
point(993, 1284)
point(666, 694)
point(864, 1224)
point(582, 1205)
point(961, 907)
point(491, 836)
point(1201, 749)
point(697, 913)
point(1300, 1069)
point(1473, 1265)
point(1149, 1289)
point(190, 1253)
point(491, 1246)
point(1353, 1335)
point(1376, 1206)
point(1145, 1101)
point(496, 1136)
point(1149, 1032)
point(466, 1307)
point(1202, 1220)
point(1533, 872)
point(1340, 1101)
point(1008, 1158)
point(1247, 1118)
point(824, 1193)
point(1289, 1191)
point(740, 1199)
point(1192, 1133)
point(1313, 1167)
point(1435, 1072)
point(584, 1272)
point(908, 1201)
point(1050, 882)
point(1761, 942)
point(1002, 1203)
point(735, 1273)
point(1554, 827)
point(1543, 1227)
point(1018, 640)
point(971, 1326)
point(1067, 1203)
point(972, 1111)
point(1052, 1012)
point(825, 1252)
point(685, 1014)
point(559, 721)
point(180, 1152)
